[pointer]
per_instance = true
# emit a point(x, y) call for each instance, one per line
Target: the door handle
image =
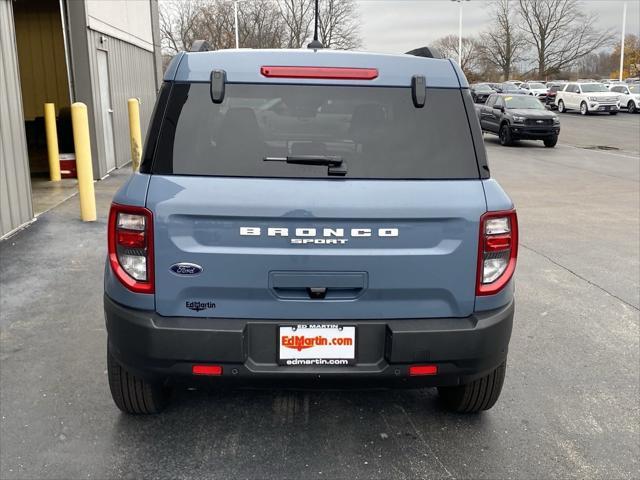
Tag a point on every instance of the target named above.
point(110, 110)
point(318, 285)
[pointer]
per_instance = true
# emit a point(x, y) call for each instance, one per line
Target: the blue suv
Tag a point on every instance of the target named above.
point(311, 217)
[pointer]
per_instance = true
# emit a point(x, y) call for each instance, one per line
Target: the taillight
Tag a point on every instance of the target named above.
point(497, 251)
point(131, 247)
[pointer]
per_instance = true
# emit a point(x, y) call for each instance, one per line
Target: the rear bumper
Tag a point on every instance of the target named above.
point(166, 348)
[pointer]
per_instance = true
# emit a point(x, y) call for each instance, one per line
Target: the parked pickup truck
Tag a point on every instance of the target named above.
point(311, 218)
point(588, 98)
point(518, 117)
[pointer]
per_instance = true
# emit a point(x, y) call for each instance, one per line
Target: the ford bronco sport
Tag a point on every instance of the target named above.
point(311, 217)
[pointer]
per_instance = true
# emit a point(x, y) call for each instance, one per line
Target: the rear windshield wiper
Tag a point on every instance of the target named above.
point(337, 165)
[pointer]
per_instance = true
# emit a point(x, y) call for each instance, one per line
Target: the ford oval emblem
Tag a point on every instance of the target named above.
point(185, 269)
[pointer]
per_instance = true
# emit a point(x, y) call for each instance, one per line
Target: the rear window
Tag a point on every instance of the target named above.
point(376, 131)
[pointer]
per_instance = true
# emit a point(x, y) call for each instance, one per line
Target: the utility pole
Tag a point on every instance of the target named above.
point(460, 32)
point(235, 11)
point(624, 21)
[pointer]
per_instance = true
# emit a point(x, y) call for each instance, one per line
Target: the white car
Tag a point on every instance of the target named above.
point(537, 89)
point(588, 98)
point(629, 96)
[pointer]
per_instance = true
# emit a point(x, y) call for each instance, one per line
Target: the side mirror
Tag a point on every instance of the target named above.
point(499, 107)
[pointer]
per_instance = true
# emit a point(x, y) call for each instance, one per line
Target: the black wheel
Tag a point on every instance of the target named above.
point(551, 141)
point(132, 394)
point(505, 135)
point(584, 110)
point(561, 108)
point(632, 107)
point(476, 396)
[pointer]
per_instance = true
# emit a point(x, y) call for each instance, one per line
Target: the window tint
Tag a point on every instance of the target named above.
point(523, 101)
point(481, 87)
point(377, 131)
point(593, 87)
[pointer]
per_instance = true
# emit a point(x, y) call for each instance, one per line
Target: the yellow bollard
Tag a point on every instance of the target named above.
point(52, 141)
point(134, 133)
point(80, 122)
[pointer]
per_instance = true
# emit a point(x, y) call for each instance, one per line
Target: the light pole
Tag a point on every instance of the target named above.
point(460, 32)
point(624, 21)
point(235, 14)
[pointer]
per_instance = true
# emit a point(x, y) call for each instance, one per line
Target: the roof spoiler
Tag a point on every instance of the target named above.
point(427, 52)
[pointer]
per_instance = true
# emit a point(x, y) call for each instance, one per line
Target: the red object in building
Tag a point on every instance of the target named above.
point(68, 165)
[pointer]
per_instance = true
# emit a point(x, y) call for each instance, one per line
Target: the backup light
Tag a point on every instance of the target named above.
point(497, 226)
point(131, 222)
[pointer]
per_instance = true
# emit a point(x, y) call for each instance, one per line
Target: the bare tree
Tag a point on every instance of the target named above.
point(338, 24)
point(502, 44)
point(261, 25)
point(559, 32)
point(448, 47)
point(178, 22)
point(297, 16)
point(216, 24)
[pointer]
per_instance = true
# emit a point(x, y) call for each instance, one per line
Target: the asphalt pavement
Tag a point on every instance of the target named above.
point(619, 132)
point(569, 408)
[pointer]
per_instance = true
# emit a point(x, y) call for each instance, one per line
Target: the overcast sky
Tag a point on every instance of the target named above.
point(395, 26)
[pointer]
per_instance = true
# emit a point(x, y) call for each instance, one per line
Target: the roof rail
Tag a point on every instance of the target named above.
point(200, 46)
point(428, 52)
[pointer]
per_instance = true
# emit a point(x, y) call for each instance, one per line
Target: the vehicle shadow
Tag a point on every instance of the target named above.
point(285, 433)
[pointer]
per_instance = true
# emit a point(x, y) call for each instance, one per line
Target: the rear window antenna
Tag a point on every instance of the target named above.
point(315, 43)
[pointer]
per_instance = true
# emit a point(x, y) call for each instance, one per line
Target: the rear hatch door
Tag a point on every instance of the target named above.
point(394, 237)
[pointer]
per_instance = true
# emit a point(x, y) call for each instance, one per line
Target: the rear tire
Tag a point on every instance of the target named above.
point(584, 109)
point(561, 108)
point(133, 394)
point(505, 135)
point(551, 141)
point(474, 397)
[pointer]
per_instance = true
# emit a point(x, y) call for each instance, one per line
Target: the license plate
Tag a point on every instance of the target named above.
point(317, 345)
